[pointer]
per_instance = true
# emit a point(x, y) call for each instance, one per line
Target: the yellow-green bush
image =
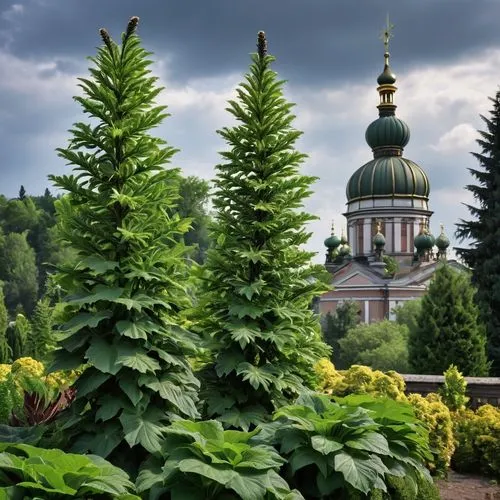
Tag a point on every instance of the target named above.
point(477, 436)
point(431, 409)
point(28, 375)
point(358, 380)
point(438, 419)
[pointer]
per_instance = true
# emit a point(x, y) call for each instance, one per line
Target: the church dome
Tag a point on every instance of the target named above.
point(387, 131)
point(388, 177)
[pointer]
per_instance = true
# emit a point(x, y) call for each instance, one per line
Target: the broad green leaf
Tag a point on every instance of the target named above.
point(136, 358)
point(99, 264)
point(145, 428)
point(135, 329)
point(360, 473)
point(370, 441)
point(85, 319)
point(102, 356)
point(325, 445)
point(306, 456)
point(100, 292)
point(129, 384)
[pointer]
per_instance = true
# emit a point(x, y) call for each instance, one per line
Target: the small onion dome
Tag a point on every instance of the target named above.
point(387, 131)
point(424, 241)
point(333, 241)
point(343, 239)
point(379, 240)
point(442, 241)
point(387, 77)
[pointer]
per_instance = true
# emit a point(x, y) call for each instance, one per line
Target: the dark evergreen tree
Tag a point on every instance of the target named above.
point(40, 339)
point(22, 193)
point(5, 351)
point(449, 328)
point(128, 286)
point(18, 333)
point(259, 283)
point(483, 255)
point(335, 327)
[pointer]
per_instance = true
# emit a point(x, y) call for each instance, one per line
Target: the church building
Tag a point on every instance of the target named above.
point(389, 254)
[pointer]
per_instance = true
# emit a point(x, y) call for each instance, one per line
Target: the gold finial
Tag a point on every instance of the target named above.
point(441, 225)
point(379, 226)
point(332, 231)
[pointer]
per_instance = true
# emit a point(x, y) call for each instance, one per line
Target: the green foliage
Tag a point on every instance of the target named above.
point(449, 329)
point(352, 445)
point(40, 339)
point(391, 266)
point(5, 350)
point(359, 380)
point(382, 346)
point(454, 389)
point(477, 436)
point(193, 193)
point(401, 488)
point(482, 231)
point(259, 283)
point(18, 336)
point(33, 473)
point(128, 288)
point(202, 461)
point(437, 417)
point(18, 271)
point(407, 314)
point(335, 327)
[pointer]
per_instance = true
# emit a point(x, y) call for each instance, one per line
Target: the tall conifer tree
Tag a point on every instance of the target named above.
point(40, 339)
point(259, 283)
point(5, 351)
point(449, 330)
point(483, 256)
point(127, 289)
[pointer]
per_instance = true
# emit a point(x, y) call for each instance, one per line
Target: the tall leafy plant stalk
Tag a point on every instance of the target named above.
point(5, 350)
point(483, 255)
point(259, 283)
point(40, 339)
point(127, 291)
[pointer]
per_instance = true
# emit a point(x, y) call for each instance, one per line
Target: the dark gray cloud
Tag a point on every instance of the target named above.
point(316, 41)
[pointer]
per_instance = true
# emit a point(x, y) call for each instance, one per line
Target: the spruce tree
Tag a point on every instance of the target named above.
point(128, 288)
point(483, 255)
point(18, 333)
point(259, 283)
point(5, 351)
point(449, 330)
point(40, 340)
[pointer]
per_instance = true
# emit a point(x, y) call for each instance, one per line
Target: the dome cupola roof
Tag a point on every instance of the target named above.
point(442, 241)
point(388, 175)
point(333, 241)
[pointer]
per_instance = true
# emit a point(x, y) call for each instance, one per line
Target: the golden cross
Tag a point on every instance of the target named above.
point(387, 34)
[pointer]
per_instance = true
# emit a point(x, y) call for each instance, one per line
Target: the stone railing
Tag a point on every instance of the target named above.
point(481, 390)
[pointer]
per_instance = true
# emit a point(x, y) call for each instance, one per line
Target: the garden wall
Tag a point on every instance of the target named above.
point(480, 390)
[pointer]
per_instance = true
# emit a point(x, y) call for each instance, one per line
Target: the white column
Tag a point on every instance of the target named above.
point(367, 311)
point(353, 239)
point(367, 236)
point(397, 234)
point(392, 305)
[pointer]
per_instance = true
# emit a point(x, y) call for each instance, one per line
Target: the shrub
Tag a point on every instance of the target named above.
point(437, 417)
point(204, 461)
point(30, 472)
point(358, 380)
point(431, 410)
point(339, 448)
point(478, 441)
point(454, 389)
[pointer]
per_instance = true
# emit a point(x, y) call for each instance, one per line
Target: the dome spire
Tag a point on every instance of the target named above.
point(387, 78)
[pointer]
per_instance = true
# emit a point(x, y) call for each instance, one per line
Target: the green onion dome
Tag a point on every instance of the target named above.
point(344, 250)
point(442, 241)
point(379, 240)
point(423, 241)
point(333, 241)
point(387, 177)
point(386, 132)
point(387, 77)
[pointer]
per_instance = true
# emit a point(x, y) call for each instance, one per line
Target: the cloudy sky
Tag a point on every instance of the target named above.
point(446, 54)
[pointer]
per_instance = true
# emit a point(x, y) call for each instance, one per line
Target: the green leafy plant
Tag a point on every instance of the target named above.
point(205, 462)
point(259, 282)
point(335, 449)
point(454, 389)
point(34, 473)
point(127, 290)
